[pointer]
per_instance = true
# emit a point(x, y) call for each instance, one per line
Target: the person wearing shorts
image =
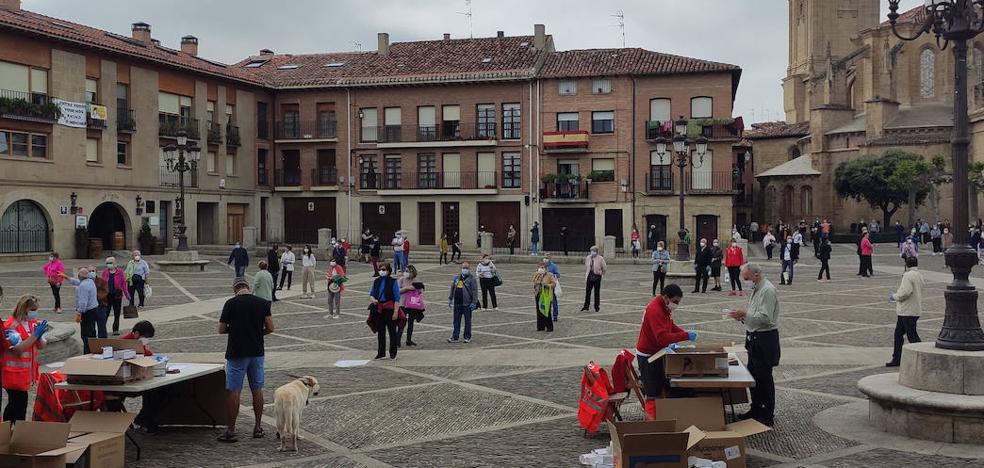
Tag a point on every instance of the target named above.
point(245, 319)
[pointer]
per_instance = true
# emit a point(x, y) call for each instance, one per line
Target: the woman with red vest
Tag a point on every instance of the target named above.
point(734, 258)
point(20, 358)
point(657, 333)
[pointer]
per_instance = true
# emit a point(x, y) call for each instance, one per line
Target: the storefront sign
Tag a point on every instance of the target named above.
point(73, 114)
point(81, 221)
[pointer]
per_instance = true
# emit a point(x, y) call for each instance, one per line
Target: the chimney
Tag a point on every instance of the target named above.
point(447, 36)
point(265, 52)
point(156, 42)
point(500, 34)
point(10, 4)
point(141, 32)
point(539, 36)
point(383, 44)
point(189, 45)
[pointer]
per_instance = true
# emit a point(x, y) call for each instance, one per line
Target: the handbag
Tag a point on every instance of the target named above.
point(148, 291)
point(371, 319)
point(130, 312)
point(415, 300)
point(496, 280)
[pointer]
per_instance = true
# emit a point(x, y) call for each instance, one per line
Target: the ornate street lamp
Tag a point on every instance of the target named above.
point(956, 21)
point(683, 159)
point(181, 158)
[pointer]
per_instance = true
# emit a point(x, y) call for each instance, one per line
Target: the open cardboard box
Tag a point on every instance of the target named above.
point(97, 344)
point(86, 370)
point(97, 439)
point(702, 360)
point(652, 444)
point(720, 441)
point(34, 444)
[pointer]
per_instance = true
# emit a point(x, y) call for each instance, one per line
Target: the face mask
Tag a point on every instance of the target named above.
point(237, 246)
point(464, 271)
point(137, 258)
point(51, 259)
point(406, 274)
point(33, 315)
point(660, 249)
point(672, 306)
point(384, 273)
point(333, 264)
point(716, 244)
point(144, 341)
point(594, 254)
point(111, 266)
point(92, 275)
point(748, 284)
point(540, 271)
point(703, 244)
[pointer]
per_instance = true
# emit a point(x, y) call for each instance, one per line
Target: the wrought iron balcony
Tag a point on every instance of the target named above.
point(33, 107)
point(320, 129)
point(429, 180)
point(324, 176)
point(232, 135)
point(214, 133)
point(170, 124)
point(443, 132)
point(172, 178)
point(570, 189)
point(125, 120)
point(287, 177)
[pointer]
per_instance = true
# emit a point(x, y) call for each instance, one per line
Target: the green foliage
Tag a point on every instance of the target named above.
point(23, 107)
point(548, 178)
point(883, 182)
point(602, 176)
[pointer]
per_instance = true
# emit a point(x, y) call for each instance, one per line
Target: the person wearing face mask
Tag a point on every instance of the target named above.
point(86, 305)
point(239, 259)
point(553, 269)
point(463, 300)
point(397, 243)
point(384, 295)
point(543, 296)
point(308, 262)
point(936, 237)
point(364, 247)
point(734, 258)
point(908, 251)
point(595, 267)
point(263, 283)
point(761, 319)
point(287, 267)
point(789, 256)
point(947, 239)
point(823, 254)
point(634, 242)
point(486, 279)
point(702, 266)
point(143, 331)
point(657, 333)
point(717, 257)
point(336, 285)
point(116, 290)
point(338, 253)
point(661, 263)
point(53, 271)
point(867, 248)
point(273, 267)
point(137, 272)
point(411, 301)
point(25, 336)
point(375, 252)
point(102, 295)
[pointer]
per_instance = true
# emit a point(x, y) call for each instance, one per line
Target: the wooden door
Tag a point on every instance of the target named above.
point(164, 221)
point(235, 222)
point(580, 224)
point(382, 219)
point(496, 217)
point(427, 222)
point(206, 223)
point(660, 222)
point(707, 228)
point(304, 216)
point(613, 226)
point(450, 220)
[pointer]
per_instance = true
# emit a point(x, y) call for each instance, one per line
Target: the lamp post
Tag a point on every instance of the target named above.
point(181, 158)
point(681, 146)
point(956, 21)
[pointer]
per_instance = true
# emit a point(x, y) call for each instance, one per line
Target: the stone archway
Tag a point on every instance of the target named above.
point(106, 221)
point(24, 227)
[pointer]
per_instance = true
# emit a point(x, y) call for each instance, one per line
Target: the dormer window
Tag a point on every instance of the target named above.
point(289, 66)
point(255, 63)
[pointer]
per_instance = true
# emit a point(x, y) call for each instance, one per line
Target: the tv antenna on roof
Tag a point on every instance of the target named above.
point(358, 45)
point(468, 13)
point(621, 24)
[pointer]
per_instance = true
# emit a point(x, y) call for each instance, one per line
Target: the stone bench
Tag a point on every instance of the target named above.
point(186, 265)
point(62, 343)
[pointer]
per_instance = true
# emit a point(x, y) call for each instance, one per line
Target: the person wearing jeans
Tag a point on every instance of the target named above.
point(908, 307)
point(595, 268)
point(486, 279)
point(334, 297)
point(661, 263)
point(734, 258)
point(137, 272)
point(789, 257)
point(463, 300)
point(239, 258)
point(86, 304)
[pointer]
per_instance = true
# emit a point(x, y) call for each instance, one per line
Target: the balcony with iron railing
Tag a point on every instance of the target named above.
point(214, 133)
point(31, 107)
point(570, 141)
point(232, 135)
point(170, 124)
point(172, 178)
point(713, 129)
point(262, 177)
point(287, 177)
point(306, 130)
point(665, 182)
point(126, 121)
point(431, 180)
point(451, 133)
point(93, 120)
point(324, 176)
point(560, 190)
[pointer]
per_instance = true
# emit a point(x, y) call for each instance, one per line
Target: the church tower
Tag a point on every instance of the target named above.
point(818, 28)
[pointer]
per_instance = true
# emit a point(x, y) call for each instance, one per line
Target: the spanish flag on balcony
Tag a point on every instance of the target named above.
point(572, 139)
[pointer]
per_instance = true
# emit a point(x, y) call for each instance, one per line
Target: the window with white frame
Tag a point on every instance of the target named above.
point(660, 172)
point(603, 170)
point(659, 110)
point(567, 122)
point(567, 87)
point(210, 162)
point(701, 107)
point(91, 90)
point(603, 122)
point(370, 119)
point(603, 86)
point(92, 150)
point(230, 164)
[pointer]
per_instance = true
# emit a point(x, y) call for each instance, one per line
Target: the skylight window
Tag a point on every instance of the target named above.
point(334, 64)
point(61, 25)
point(289, 66)
point(487, 60)
point(524, 44)
point(255, 63)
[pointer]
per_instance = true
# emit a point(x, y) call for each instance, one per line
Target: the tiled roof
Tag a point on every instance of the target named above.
point(764, 130)
point(23, 21)
point(493, 58)
point(628, 61)
point(801, 166)
point(916, 15)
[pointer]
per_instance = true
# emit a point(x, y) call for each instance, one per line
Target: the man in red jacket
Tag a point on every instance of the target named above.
point(657, 333)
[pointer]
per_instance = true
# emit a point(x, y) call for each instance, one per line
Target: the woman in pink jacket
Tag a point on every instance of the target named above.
point(53, 270)
point(117, 290)
point(867, 248)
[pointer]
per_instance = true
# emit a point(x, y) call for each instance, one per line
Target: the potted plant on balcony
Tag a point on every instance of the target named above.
point(549, 178)
point(25, 108)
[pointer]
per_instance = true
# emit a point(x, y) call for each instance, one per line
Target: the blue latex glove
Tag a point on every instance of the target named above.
point(40, 329)
point(473, 307)
point(672, 347)
point(891, 297)
point(13, 337)
point(692, 335)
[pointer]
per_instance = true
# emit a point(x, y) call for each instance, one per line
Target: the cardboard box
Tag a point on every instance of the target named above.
point(652, 444)
point(98, 439)
point(85, 370)
point(697, 361)
point(116, 344)
point(34, 444)
point(720, 441)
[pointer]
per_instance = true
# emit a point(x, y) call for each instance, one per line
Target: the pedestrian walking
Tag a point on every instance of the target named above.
point(487, 278)
point(908, 308)
point(789, 257)
point(383, 296)
point(908, 250)
point(734, 258)
point(511, 239)
point(652, 237)
point(899, 235)
point(137, 273)
point(564, 238)
point(867, 248)
point(397, 244)
point(53, 271)
point(823, 254)
point(595, 268)
point(936, 237)
point(769, 242)
point(753, 231)
point(455, 247)
point(657, 333)
point(263, 286)
point(717, 257)
point(346, 247)
point(443, 259)
point(273, 266)
point(308, 263)
point(287, 267)
point(24, 337)
point(338, 253)
point(702, 266)
point(246, 319)
point(463, 300)
point(761, 319)
point(335, 276)
point(543, 297)
point(661, 263)
point(375, 252)
point(102, 296)
point(947, 239)
point(411, 301)
point(634, 242)
point(239, 259)
point(86, 305)
point(406, 250)
point(365, 246)
point(116, 290)
point(535, 238)
point(553, 269)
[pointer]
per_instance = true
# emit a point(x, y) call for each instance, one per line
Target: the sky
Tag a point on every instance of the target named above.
point(749, 33)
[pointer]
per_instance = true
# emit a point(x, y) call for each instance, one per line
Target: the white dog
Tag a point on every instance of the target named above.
point(288, 403)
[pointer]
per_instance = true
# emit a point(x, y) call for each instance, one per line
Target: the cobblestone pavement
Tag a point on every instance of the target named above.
point(509, 397)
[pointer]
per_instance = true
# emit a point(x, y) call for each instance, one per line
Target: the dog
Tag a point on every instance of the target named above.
point(288, 403)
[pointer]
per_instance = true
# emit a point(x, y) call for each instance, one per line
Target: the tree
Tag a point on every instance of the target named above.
point(869, 178)
point(915, 176)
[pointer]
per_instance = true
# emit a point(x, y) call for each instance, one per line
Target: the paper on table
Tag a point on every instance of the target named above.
point(177, 366)
point(351, 362)
point(55, 365)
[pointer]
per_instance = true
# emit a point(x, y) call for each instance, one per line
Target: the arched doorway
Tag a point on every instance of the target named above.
point(24, 228)
point(105, 221)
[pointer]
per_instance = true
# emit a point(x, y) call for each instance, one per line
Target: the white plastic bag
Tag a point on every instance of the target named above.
point(557, 290)
point(148, 291)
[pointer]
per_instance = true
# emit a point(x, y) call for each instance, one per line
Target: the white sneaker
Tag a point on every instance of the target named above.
point(467, 340)
point(495, 309)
